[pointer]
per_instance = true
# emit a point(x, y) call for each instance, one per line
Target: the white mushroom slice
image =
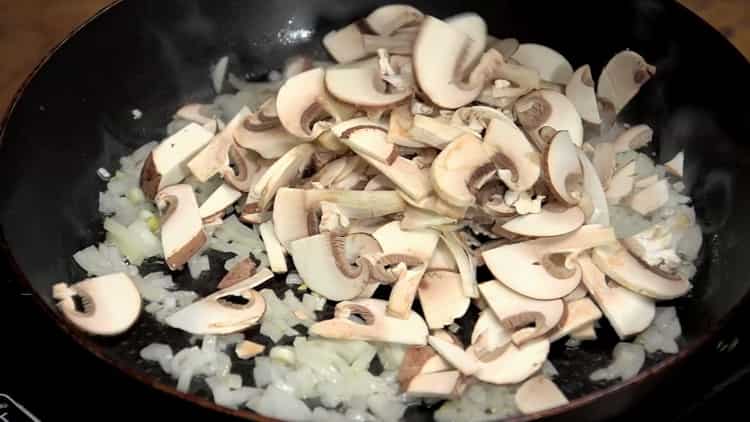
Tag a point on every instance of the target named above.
point(633, 138)
point(434, 132)
point(506, 46)
point(165, 165)
point(214, 157)
point(379, 183)
point(110, 304)
point(623, 77)
point(629, 313)
point(281, 173)
point(436, 385)
point(675, 165)
point(619, 264)
point(442, 258)
point(465, 362)
point(222, 198)
point(436, 205)
point(604, 162)
point(563, 169)
point(489, 338)
point(192, 113)
point(580, 91)
point(262, 132)
point(386, 20)
point(579, 293)
point(545, 108)
point(182, 234)
point(372, 324)
point(541, 268)
point(515, 364)
point(367, 138)
point(585, 333)
point(594, 201)
point(248, 349)
point(515, 312)
point(303, 100)
point(510, 150)
point(442, 298)
point(227, 311)
point(622, 183)
point(538, 394)
point(454, 167)
point(651, 198)
point(406, 175)
point(326, 267)
point(240, 272)
point(646, 181)
point(399, 124)
point(276, 255)
point(475, 27)
point(465, 262)
point(420, 360)
point(361, 85)
point(553, 220)
point(416, 218)
point(346, 44)
point(550, 64)
point(578, 314)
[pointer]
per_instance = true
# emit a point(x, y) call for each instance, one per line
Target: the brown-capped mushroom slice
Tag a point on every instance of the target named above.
point(604, 162)
point(227, 311)
point(436, 385)
point(362, 86)
point(515, 364)
point(622, 183)
point(550, 64)
point(465, 262)
point(222, 198)
point(594, 200)
point(578, 314)
point(240, 272)
point(367, 138)
point(434, 132)
point(651, 198)
point(580, 91)
point(619, 264)
point(553, 220)
point(182, 234)
point(262, 132)
point(563, 170)
point(406, 175)
point(454, 167)
point(510, 150)
point(541, 268)
point(623, 77)
point(465, 362)
point(442, 298)
point(366, 319)
point(633, 138)
point(165, 165)
point(676, 165)
point(282, 173)
point(416, 361)
point(548, 109)
point(489, 338)
point(248, 169)
point(303, 100)
point(214, 157)
point(628, 312)
point(274, 249)
point(109, 304)
point(538, 394)
point(516, 312)
point(475, 28)
point(322, 261)
point(506, 46)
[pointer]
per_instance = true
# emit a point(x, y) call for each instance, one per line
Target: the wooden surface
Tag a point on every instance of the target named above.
point(30, 28)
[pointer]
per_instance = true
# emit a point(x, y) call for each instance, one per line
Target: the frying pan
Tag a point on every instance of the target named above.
point(73, 116)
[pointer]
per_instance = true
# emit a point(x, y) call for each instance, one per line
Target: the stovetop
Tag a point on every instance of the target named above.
point(54, 379)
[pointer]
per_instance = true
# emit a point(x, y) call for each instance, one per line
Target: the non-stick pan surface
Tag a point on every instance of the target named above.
point(74, 116)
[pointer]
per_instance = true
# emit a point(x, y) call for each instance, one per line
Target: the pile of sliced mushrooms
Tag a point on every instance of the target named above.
point(430, 149)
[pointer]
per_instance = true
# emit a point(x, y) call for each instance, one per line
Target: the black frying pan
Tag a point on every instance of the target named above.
point(73, 116)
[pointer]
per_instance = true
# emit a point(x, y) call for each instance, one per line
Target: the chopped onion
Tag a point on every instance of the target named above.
point(627, 361)
point(197, 264)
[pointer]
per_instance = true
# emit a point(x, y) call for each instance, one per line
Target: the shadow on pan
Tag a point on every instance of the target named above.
point(74, 116)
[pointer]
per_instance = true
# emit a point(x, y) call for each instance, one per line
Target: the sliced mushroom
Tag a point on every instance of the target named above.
point(465, 362)
point(542, 268)
point(165, 165)
point(362, 86)
point(240, 272)
point(465, 262)
point(434, 132)
point(604, 162)
point(106, 305)
point(550, 64)
point(538, 394)
point(371, 324)
point(436, 385)
point(442, 258)
point(262, 132)
point(578, 314)
point(553, 220)
point(386, 20)
point(580, 91)
point(346, 44)
point(629, 313)
point(675, 165)
point(618, 263)
point(416, 218)
point(248, 169)
point(579, 293)
point(399, 124)
point(367, 138)
point(563, 170)
point(594, 200)
point(516, 312)
point(227, 311)
point(622, 183)
point(646, 181)
point(214, 157)
point(634, 138)
point(276, 255)
point(585, 333)
point(193, 113)
point(489, 338)
point(475, 28)
point(435, 204)
point(328, 268)
point(548, 109)
point(281, 173)
point(510, 150)
point(222, 198)
point(454, 167)
point(506, 46)
point(248, 349)
point(182, 234)
point(623, 77)
point(442, 298)
point(515, 364)
point(406, 175)
point(651, 198)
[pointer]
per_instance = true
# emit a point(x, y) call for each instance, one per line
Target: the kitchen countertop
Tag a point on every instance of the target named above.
point(29, 29)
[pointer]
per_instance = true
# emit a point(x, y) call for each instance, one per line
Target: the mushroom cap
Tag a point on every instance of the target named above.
point(538, 394)
point(489, 338)
point(248, 169)
point(453, 168)
point(504, 138)
point(182, 234)
point(563, 169)
point(515, 364)
point(367, 138)
point(623, 77)
point(475, 28)
point(617, 262)
point(546, 108)
point(377, 326)
point(628, 312)
point(515, 311)
point(442, 298)
point(219, 313)
point(112, 304)
point(580, 91)
point(551, 65)
point(578, 314)
point(551, 221)
point(362, 86)
point(303, 100)
point(262, 132)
